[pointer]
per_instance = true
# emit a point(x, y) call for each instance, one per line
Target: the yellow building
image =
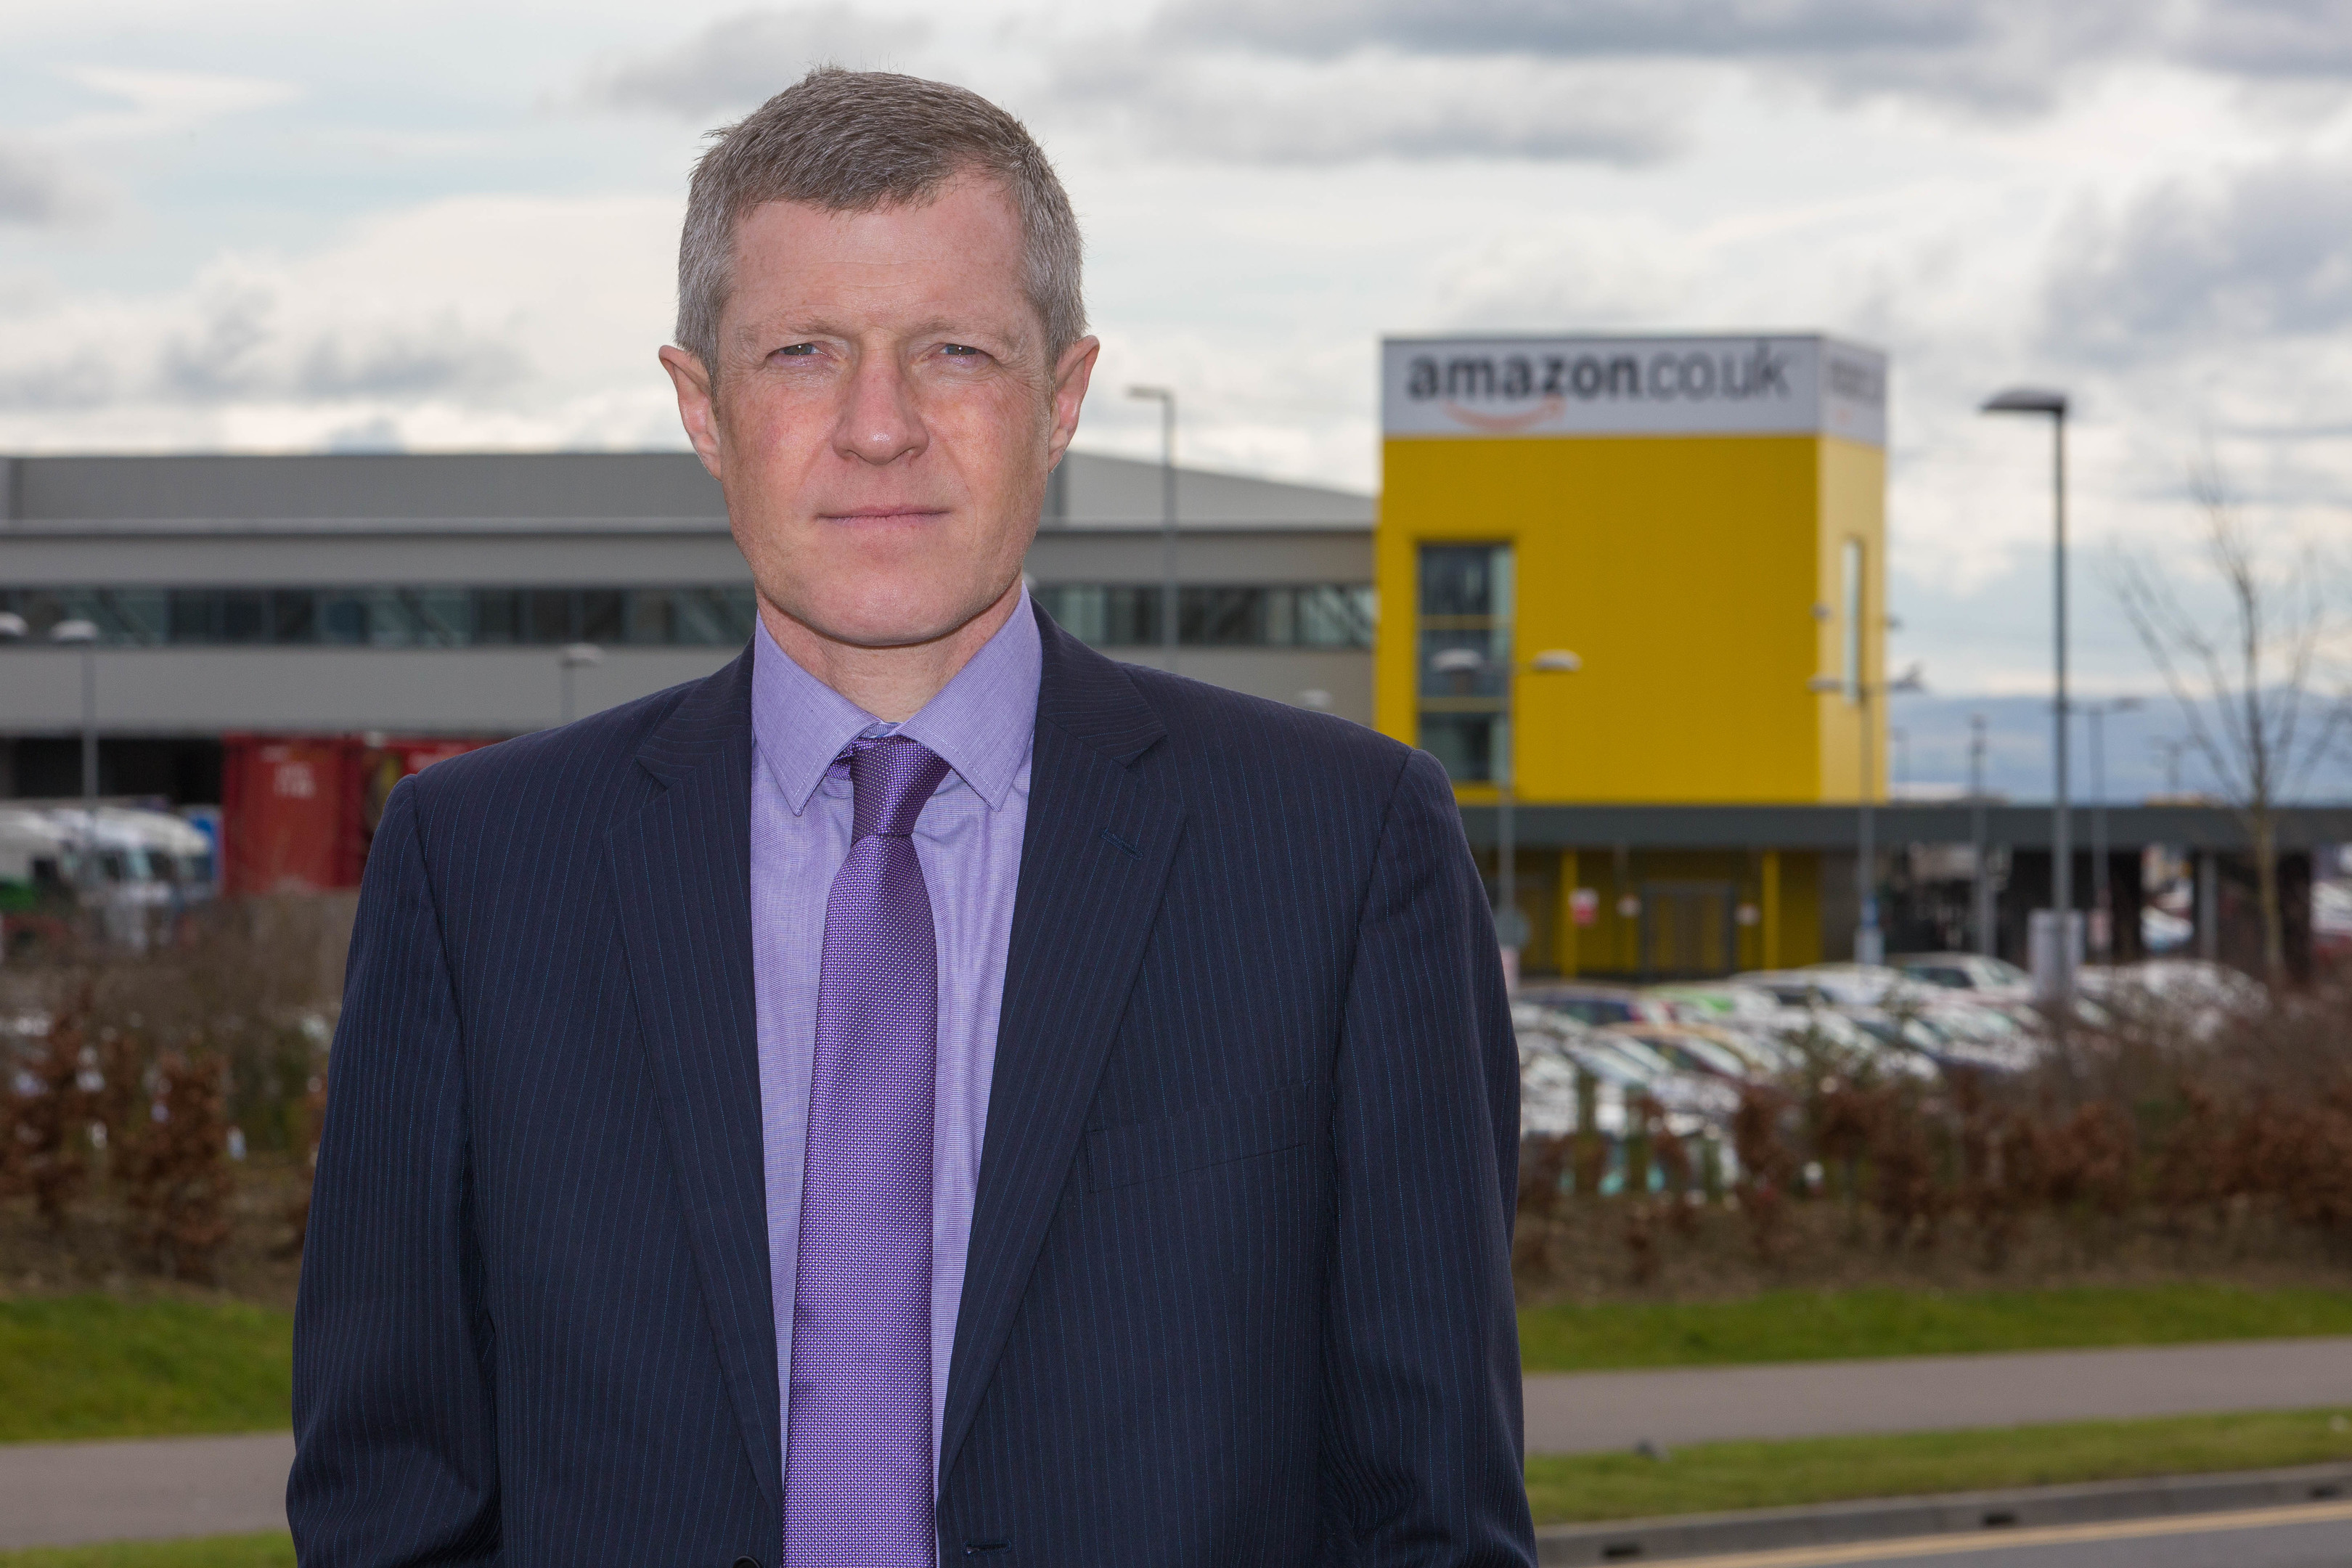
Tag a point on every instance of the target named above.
point(1701, 522)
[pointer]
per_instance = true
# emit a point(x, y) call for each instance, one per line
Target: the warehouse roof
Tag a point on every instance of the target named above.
point(571, 491)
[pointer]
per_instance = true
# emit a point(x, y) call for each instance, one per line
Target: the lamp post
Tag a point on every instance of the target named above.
point(2041, 400)
point(2103, 916)
point(1510, 926)
point(1869, 939)
point(575, 656)
point(83, 635)
point(1981, 892)
point(1166, 398)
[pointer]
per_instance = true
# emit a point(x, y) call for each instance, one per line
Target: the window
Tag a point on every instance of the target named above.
point(396, 618)
point(1126, 614)
point(1464, 651)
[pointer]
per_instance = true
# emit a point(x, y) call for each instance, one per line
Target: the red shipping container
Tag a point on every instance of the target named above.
point(290, 813)
point(297, 812)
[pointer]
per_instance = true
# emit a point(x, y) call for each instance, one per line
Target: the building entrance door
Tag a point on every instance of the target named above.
point(1689, 929)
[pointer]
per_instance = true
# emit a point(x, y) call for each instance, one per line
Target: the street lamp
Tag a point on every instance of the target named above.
point(2041, 400)
point(83, 635)
point(1869, 939)
point(1510, 926)
point(2102, 917)
point(1981, 892)
point(1166, 398)
point(576, 656)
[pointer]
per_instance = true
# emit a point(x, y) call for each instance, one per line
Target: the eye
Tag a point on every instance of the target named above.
point(961, 351)
point(797, 351)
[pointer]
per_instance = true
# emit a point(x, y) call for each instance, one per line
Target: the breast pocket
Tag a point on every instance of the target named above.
point(1217, 1134)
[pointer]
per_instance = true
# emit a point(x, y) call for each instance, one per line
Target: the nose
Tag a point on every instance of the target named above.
point(879, 422)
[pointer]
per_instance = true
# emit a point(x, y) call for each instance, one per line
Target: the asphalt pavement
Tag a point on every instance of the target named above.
point(61, 1494)
point(1574, 1413)
point(2318, 1535)
point(64, 1493)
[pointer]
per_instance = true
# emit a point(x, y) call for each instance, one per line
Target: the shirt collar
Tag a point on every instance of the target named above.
point(980, 724)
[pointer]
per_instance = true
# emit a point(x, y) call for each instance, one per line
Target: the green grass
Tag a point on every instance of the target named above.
point(272, 1550)
point(1709, 1477)
point(92, 1366)
point(1801, 1325)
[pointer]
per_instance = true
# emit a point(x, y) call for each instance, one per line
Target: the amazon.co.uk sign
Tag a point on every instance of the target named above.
point(1632, 386)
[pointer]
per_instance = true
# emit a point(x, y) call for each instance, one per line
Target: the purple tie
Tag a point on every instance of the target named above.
point(858, 1453)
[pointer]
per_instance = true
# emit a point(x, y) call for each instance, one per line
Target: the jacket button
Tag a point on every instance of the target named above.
point(747, 1562)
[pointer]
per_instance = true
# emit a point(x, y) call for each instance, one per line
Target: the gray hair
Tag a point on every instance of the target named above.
point(856, 140)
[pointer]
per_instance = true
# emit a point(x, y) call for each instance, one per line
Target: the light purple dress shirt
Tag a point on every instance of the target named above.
point(967, 841)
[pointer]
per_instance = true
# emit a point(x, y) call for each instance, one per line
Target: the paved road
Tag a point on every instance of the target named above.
point(2319, 1536)
point(64, 1493)
point(58, 1494)
point(1598, 1411)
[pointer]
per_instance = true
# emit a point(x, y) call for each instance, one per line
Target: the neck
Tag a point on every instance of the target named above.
point(891, 683)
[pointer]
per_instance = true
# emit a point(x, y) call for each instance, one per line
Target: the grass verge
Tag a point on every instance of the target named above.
point(1714, 1476)
point(1806, 1325)
point(93, 1366)
point(275, 1550)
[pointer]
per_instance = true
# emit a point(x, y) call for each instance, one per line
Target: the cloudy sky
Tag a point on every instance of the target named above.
point(293, 226)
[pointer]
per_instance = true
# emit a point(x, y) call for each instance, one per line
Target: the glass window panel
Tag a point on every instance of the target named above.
point(549, 615)
point(1459, 580)
point(1335, 615)
point(244, 616)
point(1463, 663)
point(342, 616)
point(498, 614)
point(392, 619)
point(441, 615)
point(293, 616)
point(600, 619)
point(1281, 614)
point(191, 613)
point(1466, 743)
point(742, 603)
point(649, 616)
point(702, 618)
point(1221, 616)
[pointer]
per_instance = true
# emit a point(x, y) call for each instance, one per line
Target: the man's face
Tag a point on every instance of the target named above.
point(884, 414)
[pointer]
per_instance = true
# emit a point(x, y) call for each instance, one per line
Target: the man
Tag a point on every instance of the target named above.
point(925, 1092)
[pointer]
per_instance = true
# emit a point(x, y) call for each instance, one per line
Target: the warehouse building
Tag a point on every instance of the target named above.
point(1635, 599)
point(433, 595)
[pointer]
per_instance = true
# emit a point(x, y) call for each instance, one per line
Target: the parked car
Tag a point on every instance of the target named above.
point(1836, 985)
point(1597, 1005)
point(1690, 1049)
point(1984, 979)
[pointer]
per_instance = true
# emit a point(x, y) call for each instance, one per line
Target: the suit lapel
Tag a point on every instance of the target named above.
point(683, 869)
point(1095, 854)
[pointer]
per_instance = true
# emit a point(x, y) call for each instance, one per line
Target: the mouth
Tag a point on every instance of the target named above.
point(884, 514)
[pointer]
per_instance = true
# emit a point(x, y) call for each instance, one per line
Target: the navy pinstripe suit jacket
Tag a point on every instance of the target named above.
point(1239, 1285)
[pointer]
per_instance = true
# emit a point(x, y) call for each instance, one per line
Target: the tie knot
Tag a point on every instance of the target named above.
point(891, 777)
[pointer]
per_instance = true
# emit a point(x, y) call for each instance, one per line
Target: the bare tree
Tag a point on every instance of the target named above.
point(2248, 689)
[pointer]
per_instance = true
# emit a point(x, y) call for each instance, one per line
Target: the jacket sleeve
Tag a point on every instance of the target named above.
point(395, 1429)
point(1421, 1422)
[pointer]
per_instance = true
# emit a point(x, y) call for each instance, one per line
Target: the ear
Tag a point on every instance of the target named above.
point(1071, 374)
point(697, 406)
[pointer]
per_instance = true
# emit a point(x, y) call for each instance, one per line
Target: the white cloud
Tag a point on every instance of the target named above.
point(163, 102)
point(473, 322)
point(1248, 109)
point(40, 189)
point(739, 61)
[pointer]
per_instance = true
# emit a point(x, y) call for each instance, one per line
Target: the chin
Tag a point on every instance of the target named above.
point(891, 616)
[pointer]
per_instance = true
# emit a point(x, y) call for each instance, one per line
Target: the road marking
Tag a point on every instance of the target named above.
point(2047, 1535)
